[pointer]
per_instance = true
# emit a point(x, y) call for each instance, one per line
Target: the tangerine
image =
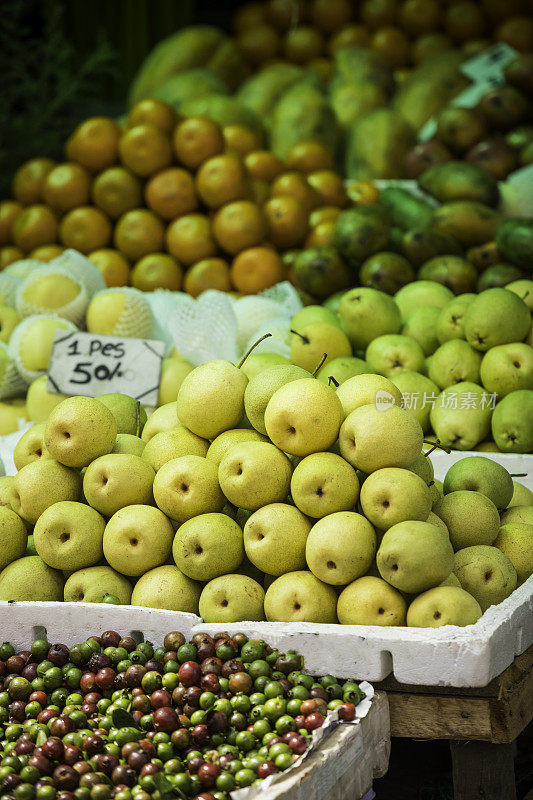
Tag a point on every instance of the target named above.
point(114, 266)
point(171, 193)
point(139, 232)
point(85, 228)
point(190, 238)
point(256, 269)
point(145, 149)
point(28, 180)
point(34, 226)
point(157, 271)
point(9, 211)
point(222, 179)
point(151, 111)
point(287, 221)
point(116, 190)
point(94, 143)
point(197, 139)
point(66, 186)
point(239, 225)
point(209, 273)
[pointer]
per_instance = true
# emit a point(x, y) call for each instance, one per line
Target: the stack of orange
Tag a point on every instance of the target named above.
point(173, 203)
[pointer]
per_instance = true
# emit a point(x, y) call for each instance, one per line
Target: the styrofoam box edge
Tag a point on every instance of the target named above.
point(447, 656)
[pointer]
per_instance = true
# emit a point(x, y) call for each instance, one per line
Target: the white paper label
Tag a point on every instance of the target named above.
point(91, 364)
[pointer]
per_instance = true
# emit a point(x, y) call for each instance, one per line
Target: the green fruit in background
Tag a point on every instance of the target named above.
point(29, 578)
point(507, 368)
point(443, 605)
point(421, 325)
point(524, 289)
point(498, 275)
point(311, 314)
point(514, 238)
point(471, 223)
point(486, 573)
point(450, 324)
point(511, 422)
point(405, 209)
point(461, 415)
point(471, 518)
point(321, 271)
point(455, 272)
point(366, 314)
point(360, 232)
point(377, 145)
point(386, 271)
point(418, 245)
point(459, 180)
point(496, 316)
point(421, 293)
point(391, 354)
point(480, 474)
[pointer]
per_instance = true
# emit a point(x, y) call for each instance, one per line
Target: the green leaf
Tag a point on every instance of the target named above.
point(41, 738)
point(121, 719)
point(164, 787)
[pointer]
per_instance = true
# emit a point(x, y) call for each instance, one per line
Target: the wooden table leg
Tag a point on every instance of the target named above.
point(483, 771)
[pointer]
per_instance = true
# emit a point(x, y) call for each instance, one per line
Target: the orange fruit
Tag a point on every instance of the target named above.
point(47, 252)
point(145, 149)
point(323, 214)
point(9, 254)
point(222, 179)
point(248, 16)
point(157, 271)
point(308, 157)
point(420, 16)
point(66, 186)
point(190, 238)
point(256, 269)
point(295, 184)
point(195, 140)
point(464, 20)
point(263, 165)
point(209, 273)
point(376, 13)
point(303, 44)
point(392, 44)
point(329, 186)
point(85, 228)
point(330, 15)
point(153, 112)
point(171, 193)
point(94, 143)
point(139, 232)
point(260, 191)
point(287, 221)
point(517, 32)
point(259, 44)
point(240, 139)
point(428, 44)
point(114, 266)
point(9, 211)
point(116, 190)
point(28, 180)
point(239, 225)
point(350, 36)
point(34, 226)
point(322, 235)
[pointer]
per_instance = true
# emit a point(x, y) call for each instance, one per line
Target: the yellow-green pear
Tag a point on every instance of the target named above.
point(366, 313)
point(258, 362)
point(173, 372)
point(167, 587)
point(461, 415)
point(486, 573)
point(434, 520)
point(254, 474)
point(247, 568)
point(524, 289)
point(79, 430)
point(9, 319)
point(12, 415)
point(453, 362)
point(69, 536)
point(340, 547)
point(487, 446)
point(393, 353)
point(371, 601)
point(340, 369)
point(275, 537)
point(522, 496)
point(451, 580)
point(443, 605)
point(211, 398)
point(207, 546)
point(393, 495)
point(421, 325)
point(232, 598)
point(40, 484)
point(309, 343)
point(188, 486)
point(421, 293)
point(303, 417)
point(127, 444)
point(471, 518)
point(226, 440)
point(117, 480)
point(371, 439)
point(507, 368)
point(436, 492)
point(480, 474)
point(13, 537)
point(300, 597)
point(90, 585)
point(29, 578)
point(130, 416)
point(137, 538)
point(366, 389)
point(39, 401)
point(515, 540)
point(419, 393)
point(261, 388)
point(423, 467)
point(7, 483)
point(314, 314)
point(450, 324)
point(517, 514)
point(30, 446)
point(323, 483)
point(496, 317)
point(511, 422)
point(173, 443)
point(414, 556)
point(163, 418)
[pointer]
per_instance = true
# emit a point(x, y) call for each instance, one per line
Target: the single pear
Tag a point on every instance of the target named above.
point(188, 486)
point(117, 480)
point(450, 324)
point(480, 474)
point(310, 342)
point(137, 538)
point(130, 416)
point(371, 439)
point(434, 520)
point(303, 417)
point(13, 537)
point(173, 372)
point(423, 467)
point(452, 579)
point(79, 430)
point(471, 518)
point(436, 492)
point(211, 398)
point(263, 386)
point(507, 368)
point(367, 313)
point(486, 573)
point(30, 446)
point(258, 362)
point(418, 395)
point(92, 584)
point(313, 313)
point(340, 369)
point(39, 401)
point(362, 390)
point(228, 439)
point(511, 422)
point(167, 587)
point(421, 325)
point(461, 415)
point(7, 482)
point(254, 474)
point(515, 540)
point(522, 496)
point(414, 556)
point(173, 443)
point(275, 538)
point(29, 578)
point(517, 514)
point(443, 605)
point(495, 317)
point(40, 484)
point(9, 319)
point(454, 361)
point(487, 446)
point(391, 354)
point(127, 444)
point(232, 598)
point(340, 547)
point(163, 418)
point(371, 601)
point(421, 293)
point(69, 536)
point(300, 597)
point(323, 483)
point(393, 495)
point(207, 546)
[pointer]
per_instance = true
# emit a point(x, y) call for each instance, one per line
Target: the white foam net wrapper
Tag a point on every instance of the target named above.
point(8, 288)
point(11, 382)
point(84, 269)
point(279, 339)
point(163, 303)
point(22, 268)
point(17, 339)
point(136, 318)
point(74, 310)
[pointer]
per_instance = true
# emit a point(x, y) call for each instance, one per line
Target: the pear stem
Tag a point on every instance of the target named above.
point(324, 356)
point(436, 445)
point(304, 338)
point(138, 418)
point(245, 356)
point(519, 475)
point(332, 380)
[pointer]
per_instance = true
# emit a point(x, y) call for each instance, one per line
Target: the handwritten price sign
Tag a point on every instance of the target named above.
point(90, 364)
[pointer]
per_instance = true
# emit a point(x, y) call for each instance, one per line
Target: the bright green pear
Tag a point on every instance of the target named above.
point(421, 325)
point(471, 518)
point(393, 353)
point(261, 388)
point(129, 415)
point(232, 598)
point(29, 578)
point(495, 317)
point(454, 361)
point(515, 540)
point(300, 597)
point(512, 429)
point(486, 573)
point(371, 601)
point(443, 605)
point(366, 313)
point(414, 556)
point(450, 324)
point(421, 293)
point(167, 587)
point(480, 474)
